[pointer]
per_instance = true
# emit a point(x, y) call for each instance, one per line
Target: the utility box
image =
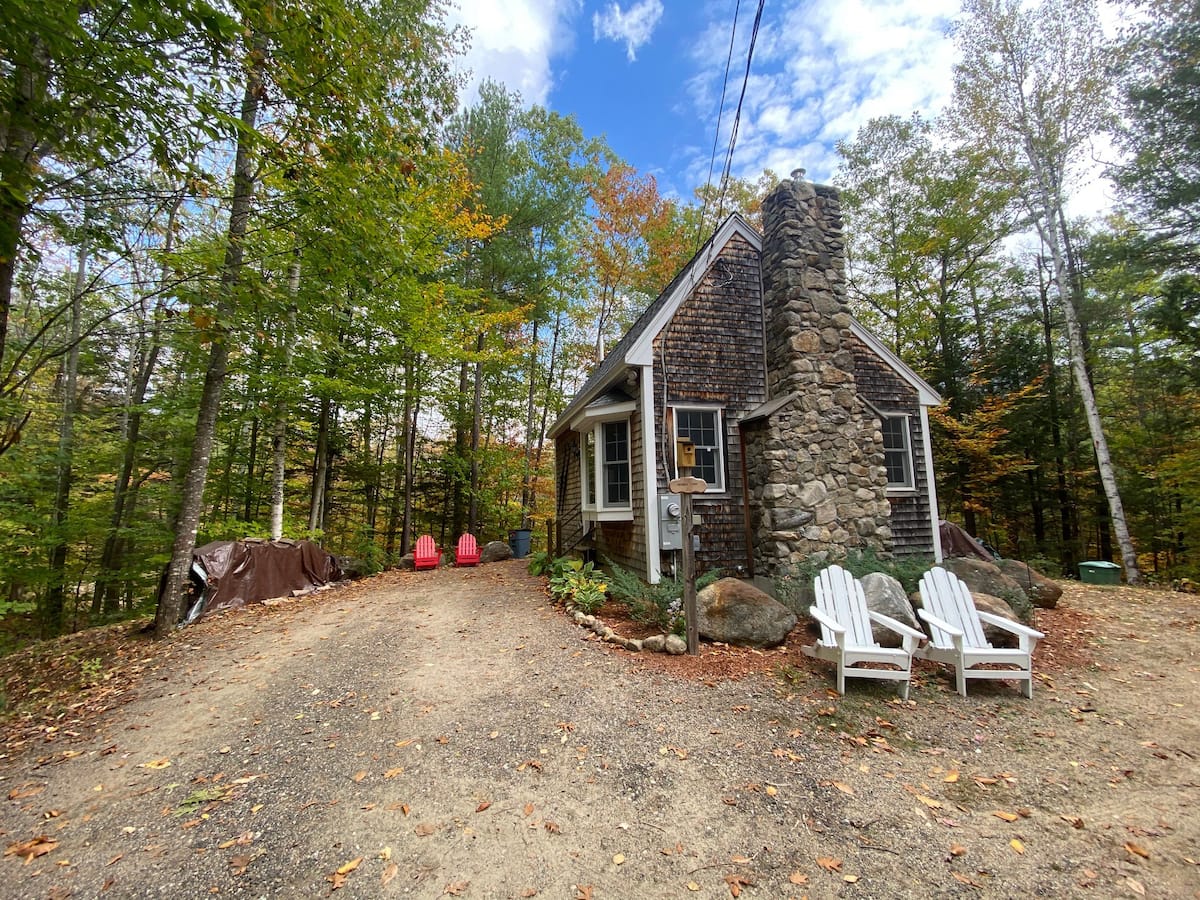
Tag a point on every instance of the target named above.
point(670, 524)
point(1099, 572)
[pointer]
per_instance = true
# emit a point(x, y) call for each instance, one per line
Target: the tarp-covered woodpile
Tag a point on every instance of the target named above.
point(231, 574)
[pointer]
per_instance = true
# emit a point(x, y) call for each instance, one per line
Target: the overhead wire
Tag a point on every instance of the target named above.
point(737, 118)
point(717, 132)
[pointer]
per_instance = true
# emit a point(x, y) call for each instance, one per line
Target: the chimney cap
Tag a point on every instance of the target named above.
point(798, 174)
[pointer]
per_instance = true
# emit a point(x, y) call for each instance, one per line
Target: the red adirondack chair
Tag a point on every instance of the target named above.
point(426, 555)
point(467, 551)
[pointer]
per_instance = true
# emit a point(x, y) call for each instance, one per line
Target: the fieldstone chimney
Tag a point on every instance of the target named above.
point(814, 450)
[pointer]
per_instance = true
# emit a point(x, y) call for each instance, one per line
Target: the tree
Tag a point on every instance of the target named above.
point(1031, 89)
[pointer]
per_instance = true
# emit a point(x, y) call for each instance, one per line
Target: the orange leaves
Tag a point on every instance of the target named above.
point(25, 791)
point(338, 878)
point(829, 863)
point(483, 805)
point(31, 849)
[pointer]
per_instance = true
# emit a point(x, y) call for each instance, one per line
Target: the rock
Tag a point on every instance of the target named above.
point(632, 645)
point(1041, 591)
point(579, 617)
point(675, 645)
point(406, 562)
point(737, 613)
point(655, 643)
point(351, 567)
point(495, 551)
point(982, 577)
point(885, 595)
point(998, 636)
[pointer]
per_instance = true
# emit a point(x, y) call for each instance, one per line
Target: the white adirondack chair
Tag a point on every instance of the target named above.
point(956, 634)
point(841, 611)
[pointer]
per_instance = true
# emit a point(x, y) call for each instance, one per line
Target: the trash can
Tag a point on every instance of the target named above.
point(1099, 572)
point(518, 542)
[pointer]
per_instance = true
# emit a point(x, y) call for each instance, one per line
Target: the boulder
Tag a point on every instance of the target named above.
point(1041, 591)
point(656, 643)
point(989, 604)
point(352, 567)
point(675, 645)
point(886, 595)
point(981, 576)
point(737, 613)
point(495, 551)
point(405, 562)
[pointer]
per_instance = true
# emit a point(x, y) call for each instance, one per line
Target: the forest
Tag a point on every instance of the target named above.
point(263, 274)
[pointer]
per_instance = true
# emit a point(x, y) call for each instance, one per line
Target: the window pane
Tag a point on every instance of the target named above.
point(896, 457)
point(700, 426)
point(616, 464)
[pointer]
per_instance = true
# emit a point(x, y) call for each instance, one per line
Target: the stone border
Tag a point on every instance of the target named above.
point(660, 643)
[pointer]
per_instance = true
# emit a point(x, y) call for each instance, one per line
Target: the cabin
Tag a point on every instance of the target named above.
point(812, 436)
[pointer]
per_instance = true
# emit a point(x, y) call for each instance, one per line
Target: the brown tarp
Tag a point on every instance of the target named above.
point(957, 542)
point(250, 571)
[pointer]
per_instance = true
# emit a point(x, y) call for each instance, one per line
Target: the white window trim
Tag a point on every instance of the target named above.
point(720, 429)
point(910, 463)
point(591, 424)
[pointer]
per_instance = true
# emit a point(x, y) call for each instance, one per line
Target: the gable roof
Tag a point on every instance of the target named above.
point(926, 394)
point(636, 347)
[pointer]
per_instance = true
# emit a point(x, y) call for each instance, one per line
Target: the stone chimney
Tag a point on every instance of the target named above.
point(814, 450)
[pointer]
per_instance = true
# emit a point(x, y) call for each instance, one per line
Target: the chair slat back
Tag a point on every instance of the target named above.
point(840, 595)
point(946, 596)
point(467, 546)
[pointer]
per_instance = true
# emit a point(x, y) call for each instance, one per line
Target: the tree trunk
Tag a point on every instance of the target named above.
point(1070, 550)
point(527, 476)
point(458, 511)
point(248, 505)
point(1049, 226)
point(170, 598)
point(52, 614)
point(476, 417)
point(316, 507)
point(279, 432)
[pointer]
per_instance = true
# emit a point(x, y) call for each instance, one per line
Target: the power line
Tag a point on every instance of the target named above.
point(737, 118)
point(717, 133)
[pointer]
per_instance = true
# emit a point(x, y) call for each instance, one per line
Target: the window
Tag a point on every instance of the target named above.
point(605, 468)
point(703, 428)
point(897, 452)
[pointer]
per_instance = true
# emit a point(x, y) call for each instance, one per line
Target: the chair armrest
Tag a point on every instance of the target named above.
point(829, 622)
point(1028, 636)
point(939, 623)
point(895, 625)
point(957, 638)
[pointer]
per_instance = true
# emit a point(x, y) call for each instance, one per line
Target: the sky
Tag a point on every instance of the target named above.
point(647, 75)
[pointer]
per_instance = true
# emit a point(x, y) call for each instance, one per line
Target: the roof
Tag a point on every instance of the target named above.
point(927, 396)
point(636, 345)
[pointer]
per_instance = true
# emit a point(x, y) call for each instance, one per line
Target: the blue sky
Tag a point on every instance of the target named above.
point(647, 74)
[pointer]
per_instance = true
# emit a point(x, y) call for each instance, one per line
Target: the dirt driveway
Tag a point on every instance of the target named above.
point(452, 734)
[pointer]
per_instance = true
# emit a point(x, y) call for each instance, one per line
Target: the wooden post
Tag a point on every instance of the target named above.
point(685, 487)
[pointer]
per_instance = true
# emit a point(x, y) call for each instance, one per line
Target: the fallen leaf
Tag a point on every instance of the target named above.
point(348, 867)
point(392, 773)
point(1137, 849)
point(1136, 886)
point(951, 776)
point(529, 892)
point(482, 806)
point(528, 810)
point(1006, 816)
point(798, 877)
point(583, 892)
point(552, 827)
point(113, 860)
point(25, 791)
point(424, 829)
point(844, 788)
point(1073, 821)
point(930, 802)
point(692, 886)
point(618, 859)
point(851, 879)
point(390, 871)
point(736, 883)
point(163, 763)
point(772, 790)
point(358, 776)
point(957, 850)
point(455, 888)
point(963, 879)
point(829, 863)
point(1017, 845)
point(31, 849)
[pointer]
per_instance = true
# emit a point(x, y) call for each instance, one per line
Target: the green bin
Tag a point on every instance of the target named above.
point(1099, 572)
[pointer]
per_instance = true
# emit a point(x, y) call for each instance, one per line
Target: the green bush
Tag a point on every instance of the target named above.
point(794, 589)
point(659, 604)
point(578, 582)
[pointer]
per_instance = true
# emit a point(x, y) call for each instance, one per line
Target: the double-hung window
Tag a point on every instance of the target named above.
point(703, 427)
point(897, 452)
point(605, 461)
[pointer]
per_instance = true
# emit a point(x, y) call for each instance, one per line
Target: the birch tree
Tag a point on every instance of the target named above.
point(1032, 92)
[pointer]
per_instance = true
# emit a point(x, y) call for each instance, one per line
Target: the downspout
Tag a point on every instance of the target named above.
point(746, 506)
point(934, 516)
point(650, 474)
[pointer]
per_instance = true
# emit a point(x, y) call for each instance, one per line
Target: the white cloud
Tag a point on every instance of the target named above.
point(823, 68)
point(513, 41)
point(632, 27)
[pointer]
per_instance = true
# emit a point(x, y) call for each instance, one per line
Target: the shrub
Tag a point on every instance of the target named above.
point(794, 590)
point(578, 582)
point(659, 604)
